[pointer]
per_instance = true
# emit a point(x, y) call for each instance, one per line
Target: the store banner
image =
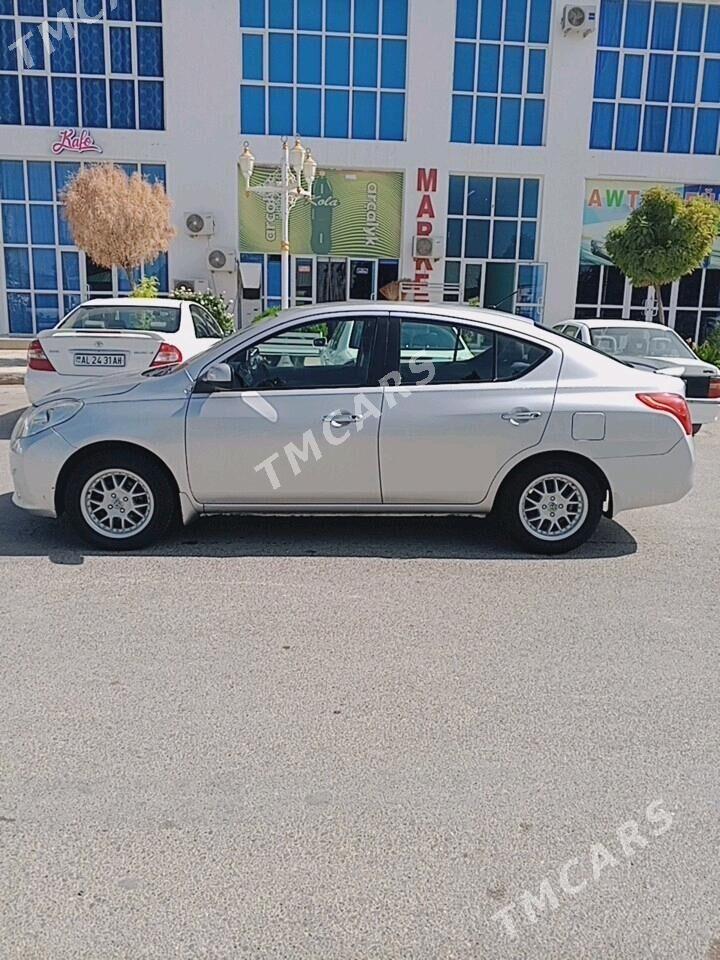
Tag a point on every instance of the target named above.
point(355, 213)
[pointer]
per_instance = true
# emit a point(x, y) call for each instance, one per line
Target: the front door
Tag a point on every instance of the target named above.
point(331, 281)
point(298, 425)
point(469, 400)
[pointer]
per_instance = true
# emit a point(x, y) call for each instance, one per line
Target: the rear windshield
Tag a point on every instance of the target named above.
point(162, 319)
point(634, 341)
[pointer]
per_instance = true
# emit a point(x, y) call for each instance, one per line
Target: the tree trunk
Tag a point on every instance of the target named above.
point(661, 308)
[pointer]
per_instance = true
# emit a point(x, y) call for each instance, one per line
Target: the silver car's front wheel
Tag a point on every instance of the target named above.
point(117, 503)
point(553, 506)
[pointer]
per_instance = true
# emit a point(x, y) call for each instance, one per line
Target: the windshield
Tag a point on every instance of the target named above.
point(120, 318)
point(634, 341)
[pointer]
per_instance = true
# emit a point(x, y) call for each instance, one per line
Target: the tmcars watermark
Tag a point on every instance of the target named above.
point(299, 454)
point(52, 32)
point(576, 874)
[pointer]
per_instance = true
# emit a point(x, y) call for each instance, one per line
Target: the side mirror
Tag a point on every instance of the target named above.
point(319, 342)
point(219, 373)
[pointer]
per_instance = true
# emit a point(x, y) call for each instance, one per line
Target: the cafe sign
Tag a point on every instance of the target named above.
point(75, 141)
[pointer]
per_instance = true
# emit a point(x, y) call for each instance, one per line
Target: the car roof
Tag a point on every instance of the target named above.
point(594, 322)
point(131, 302)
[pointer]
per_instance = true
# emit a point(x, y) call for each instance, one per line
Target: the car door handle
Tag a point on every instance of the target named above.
point(521, 415)
point(341, 418)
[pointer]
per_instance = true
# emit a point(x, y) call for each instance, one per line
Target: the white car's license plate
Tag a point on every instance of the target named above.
point(99, 360)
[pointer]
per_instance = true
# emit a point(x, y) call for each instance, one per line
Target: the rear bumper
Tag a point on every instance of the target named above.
point(652, 480)
point(704, 411)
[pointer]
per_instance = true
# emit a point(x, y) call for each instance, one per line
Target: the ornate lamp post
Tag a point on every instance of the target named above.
point(291, 182)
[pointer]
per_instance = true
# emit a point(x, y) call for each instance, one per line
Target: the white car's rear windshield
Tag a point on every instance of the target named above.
point(109, 319)
point(633, 341)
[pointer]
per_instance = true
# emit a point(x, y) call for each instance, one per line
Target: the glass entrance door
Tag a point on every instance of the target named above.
point(331, 281)
point(362, 279)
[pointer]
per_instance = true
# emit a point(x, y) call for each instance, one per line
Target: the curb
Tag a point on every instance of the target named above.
point(12, 376)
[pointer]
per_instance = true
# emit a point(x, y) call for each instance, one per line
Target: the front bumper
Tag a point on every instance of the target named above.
point(651, 480)
point(35, 465)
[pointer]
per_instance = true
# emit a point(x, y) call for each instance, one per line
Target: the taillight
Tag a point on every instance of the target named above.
point(167, 354)
point(714, 391)
point(37, 358)
point(669, 403)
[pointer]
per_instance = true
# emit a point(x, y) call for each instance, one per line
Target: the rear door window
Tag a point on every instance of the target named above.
point(206, 327)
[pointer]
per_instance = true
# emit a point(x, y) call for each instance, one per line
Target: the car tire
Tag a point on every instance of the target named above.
point(120, 501)
point(696, 427)
point(550, 506)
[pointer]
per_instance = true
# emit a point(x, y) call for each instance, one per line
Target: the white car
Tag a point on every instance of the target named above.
point(654, 346)
point(536, 429)
point(103, 337)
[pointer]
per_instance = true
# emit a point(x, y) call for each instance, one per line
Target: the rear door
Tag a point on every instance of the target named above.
point(451, 423)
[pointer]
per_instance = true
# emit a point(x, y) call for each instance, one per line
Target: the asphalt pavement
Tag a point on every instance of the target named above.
point(361, 738)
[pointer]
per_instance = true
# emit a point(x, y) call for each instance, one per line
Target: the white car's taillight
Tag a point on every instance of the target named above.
point(166, 355)
point(37, 359)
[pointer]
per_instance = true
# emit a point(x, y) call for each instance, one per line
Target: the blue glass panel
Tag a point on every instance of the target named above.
point(309, 112)
point(686, 77)
point(64, 172)
point(153, 173)
point(14, 226)
point(62, 55)
point(91, 45)
point(664, 23)
point(148, 10)
point(252, 13)
point(337, 16)
point(252, 110)
point(507, 197)
point(20, 313)
point(47, 314)
point(611, 13)
point(632, 76)
point(40, 180)
point(540, 15)
point(654, 126)
point(364, 115)
point(150, 51)
point(454, 237)
point(706, 131)
point(310, 14)
point(120, 50)
point(712, 32)
point(280, 56)
point(601, 129)
point(488, 67)
point(628, 127)
point(485, 119)
point(456, 196)
point(365, 62)
point(461, 122)
point(394, 18)
point(692, 16)
point(122, 104)
point(464, 70)
point(33, 50)
point(337, 61)
point(65, 102)
point(491, 20)
point(70, 301)
point(7, 7)
point(711, 82)
point(12, 180)
point(393, 64)
point(280, 101)
point(512, 69)
point(128, 168)
point(480, 196)
point(17, 268)
point(30, 8)
point(533, 119)
point(9, 99)
point(515, 18)
point(367, 16)
point(392, 116)
point(309, 62)
point(467, 19)
point(44, 269)
point(536, 71)
point(337, 109)
point(252, 56)
point(637, 24)
point(35, 101)
point(281, 14)
point(504, 246)
point(273, 277)
point(477, 239)
point(509, 127)
point(94, 108)
point(42, 224)
point(606, 72)
point(151, 105)
point(91, 9)
point(681, 121)
point(122, 10)
point(531, 190)
point(159, 269)
point(528, 233)
point(658, 85)
point(66, 237)
point(8, 57)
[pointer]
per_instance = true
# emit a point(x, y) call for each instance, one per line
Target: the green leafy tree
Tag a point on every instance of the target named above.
point(664, 239)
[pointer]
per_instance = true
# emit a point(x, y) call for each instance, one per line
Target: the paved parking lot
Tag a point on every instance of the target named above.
point(361, 738)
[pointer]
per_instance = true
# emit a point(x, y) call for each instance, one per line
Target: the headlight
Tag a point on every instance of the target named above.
point(47, 415)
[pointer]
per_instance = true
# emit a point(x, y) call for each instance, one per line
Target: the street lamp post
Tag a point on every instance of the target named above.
point(298, 167)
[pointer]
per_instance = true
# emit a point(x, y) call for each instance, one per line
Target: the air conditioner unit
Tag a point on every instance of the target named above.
point(579, 20)
point(222, 260)
point(200, 224)
point(194, 286)
point(428, 248)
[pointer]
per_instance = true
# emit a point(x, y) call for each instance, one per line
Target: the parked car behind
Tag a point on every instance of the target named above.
point(653, 346)
point(102, 337)
point(513, 420)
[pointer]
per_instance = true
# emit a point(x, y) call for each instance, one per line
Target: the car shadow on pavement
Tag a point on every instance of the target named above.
point(8, 421)
point(396, 538)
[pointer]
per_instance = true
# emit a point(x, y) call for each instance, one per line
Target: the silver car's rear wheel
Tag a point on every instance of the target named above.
point(117, 503)
point(553, 507)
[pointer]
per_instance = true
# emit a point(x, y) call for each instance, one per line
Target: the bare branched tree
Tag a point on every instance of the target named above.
point(119, 221)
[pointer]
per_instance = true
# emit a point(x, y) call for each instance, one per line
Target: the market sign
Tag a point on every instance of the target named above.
point(75, 141)
point(354, 213)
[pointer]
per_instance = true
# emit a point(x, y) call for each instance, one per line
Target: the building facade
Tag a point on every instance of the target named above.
point(482, 126)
